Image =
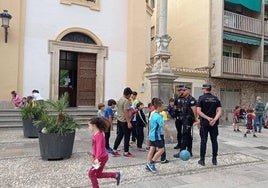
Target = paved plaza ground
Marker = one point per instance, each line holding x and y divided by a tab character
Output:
242	162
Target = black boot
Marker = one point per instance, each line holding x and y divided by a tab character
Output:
201	162
214	161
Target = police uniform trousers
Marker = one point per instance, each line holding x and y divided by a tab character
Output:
178	124
187	139
205	128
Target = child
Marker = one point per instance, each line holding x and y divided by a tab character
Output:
250	122
171	108
109	114
162	134
16	99
156	123
236	119
99	155
23	102
101	108
140	124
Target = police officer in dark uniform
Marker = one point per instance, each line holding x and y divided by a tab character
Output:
179	100
189	116
209	109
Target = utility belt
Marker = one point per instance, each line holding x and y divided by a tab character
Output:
182	116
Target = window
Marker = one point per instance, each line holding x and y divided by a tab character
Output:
152	33
232	51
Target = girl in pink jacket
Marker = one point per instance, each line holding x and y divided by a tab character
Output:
99	155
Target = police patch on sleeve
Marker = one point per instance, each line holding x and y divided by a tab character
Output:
192	102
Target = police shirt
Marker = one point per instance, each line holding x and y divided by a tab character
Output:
209	104
179	101
189	102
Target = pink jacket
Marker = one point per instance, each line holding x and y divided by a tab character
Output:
98	145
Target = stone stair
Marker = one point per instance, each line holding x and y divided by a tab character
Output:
11	118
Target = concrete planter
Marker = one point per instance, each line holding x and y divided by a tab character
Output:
54	146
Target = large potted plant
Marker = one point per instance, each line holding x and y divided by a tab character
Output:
30	113
57	136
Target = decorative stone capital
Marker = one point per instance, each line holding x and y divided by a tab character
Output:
161	65
162	42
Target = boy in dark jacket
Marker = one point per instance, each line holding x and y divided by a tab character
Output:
140	124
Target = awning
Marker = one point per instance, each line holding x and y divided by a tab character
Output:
254	5
266	42
242	39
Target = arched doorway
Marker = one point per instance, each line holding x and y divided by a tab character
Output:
78	67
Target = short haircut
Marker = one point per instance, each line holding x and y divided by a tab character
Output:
111	102
158	102
139	104
134	93
100	105
171	100
35	91
127	91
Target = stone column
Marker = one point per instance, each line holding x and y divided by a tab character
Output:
162	76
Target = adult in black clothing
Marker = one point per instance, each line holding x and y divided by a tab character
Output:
189	116
209	109
178	103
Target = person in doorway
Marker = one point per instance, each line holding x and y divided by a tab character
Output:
209	110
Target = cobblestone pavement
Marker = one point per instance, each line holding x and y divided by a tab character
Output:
242	162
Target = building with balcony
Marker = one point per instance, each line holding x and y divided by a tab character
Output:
228	41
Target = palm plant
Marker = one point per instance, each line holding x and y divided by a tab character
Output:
61	122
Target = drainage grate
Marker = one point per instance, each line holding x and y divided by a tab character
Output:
262	147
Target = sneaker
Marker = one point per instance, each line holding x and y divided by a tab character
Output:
115	153
234	130
177	155
141	149
110	150
146	168
128	155
165	161
238	130
151	167
177	147
147	148
254	136
245	135
118	176
201	162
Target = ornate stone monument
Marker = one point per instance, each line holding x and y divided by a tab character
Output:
162	77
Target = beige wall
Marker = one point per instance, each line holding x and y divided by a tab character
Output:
11	53
138	47
188	25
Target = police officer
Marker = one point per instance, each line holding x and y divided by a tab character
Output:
209	109
189	116
179	100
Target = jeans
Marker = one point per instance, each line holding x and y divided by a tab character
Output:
107	138
258	122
